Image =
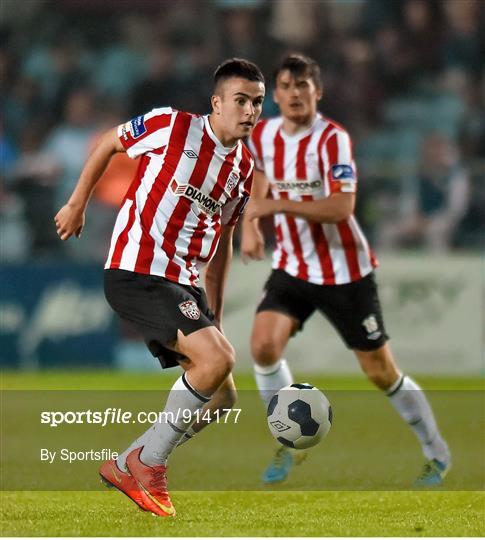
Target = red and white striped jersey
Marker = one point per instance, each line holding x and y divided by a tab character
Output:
308	166
187	185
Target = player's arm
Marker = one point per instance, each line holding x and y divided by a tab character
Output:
252	240
337	207
217	272
70	218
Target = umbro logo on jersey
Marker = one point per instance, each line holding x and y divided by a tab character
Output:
301	186
191	154
207	204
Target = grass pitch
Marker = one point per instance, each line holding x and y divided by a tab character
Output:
293	509
247	514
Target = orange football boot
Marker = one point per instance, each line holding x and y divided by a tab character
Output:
152	482
113	477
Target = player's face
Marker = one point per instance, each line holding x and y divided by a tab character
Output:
297	97
238	107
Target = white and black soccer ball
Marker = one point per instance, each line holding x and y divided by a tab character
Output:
299	415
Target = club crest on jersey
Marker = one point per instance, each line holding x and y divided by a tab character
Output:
298	186
371	327
190	309
207	204
231	182
137	127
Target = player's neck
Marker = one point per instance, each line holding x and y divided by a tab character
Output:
222	137
291	127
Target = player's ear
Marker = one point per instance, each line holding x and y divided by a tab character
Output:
319	93
216	104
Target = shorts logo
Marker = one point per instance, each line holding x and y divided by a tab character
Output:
137	127
299	187
231	182
207	204
371	327
190	309
191	154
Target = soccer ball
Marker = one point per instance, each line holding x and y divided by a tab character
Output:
299	415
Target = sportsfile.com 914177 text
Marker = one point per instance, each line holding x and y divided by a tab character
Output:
114	415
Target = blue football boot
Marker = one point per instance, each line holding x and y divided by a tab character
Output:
433	473
282	464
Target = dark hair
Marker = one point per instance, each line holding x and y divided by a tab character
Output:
237	67
299	64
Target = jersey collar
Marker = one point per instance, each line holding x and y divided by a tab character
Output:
212	135
300	134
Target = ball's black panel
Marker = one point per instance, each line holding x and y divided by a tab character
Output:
286	442
272	404
302	386
330	414
300	412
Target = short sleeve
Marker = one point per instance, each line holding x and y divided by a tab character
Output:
255	144
341	172
233	209
147	132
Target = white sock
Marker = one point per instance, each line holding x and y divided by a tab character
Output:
141	441
159	441
187	436
410	402
270	379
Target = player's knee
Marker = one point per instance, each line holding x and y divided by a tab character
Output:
377	369
218	361
265	350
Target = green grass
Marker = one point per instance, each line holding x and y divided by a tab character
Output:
248	514
352	484
109	380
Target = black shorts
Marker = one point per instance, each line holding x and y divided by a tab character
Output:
353	308
157	308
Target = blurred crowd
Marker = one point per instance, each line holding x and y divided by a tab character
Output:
405	77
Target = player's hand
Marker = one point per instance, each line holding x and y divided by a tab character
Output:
69	220
252	244
258	208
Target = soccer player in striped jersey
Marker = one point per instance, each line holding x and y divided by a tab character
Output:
193	180
322	261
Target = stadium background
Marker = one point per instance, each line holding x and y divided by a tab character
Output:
405	77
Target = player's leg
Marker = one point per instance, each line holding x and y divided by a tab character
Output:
223	399
355	310
169	316
281	313
211	359
411	403
270	335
